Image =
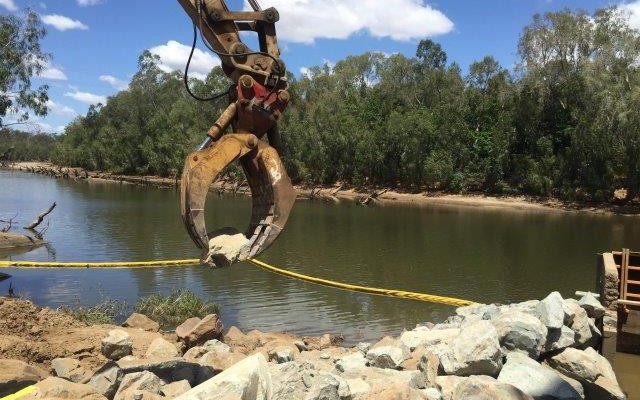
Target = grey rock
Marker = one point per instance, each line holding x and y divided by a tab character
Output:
429	365
161	348
167	369
106	380
69	369
521	332
217	346
448	384
175	389
551	311
476	351
591	369
225	250
531	378
295	381
592	306
351	362
558	339
475	388
117	344
432	394
363	347
135	382
427	337
580	324
247	380
387	356
302	346
282	355
484	311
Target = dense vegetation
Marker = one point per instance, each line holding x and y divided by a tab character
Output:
22	146
564	122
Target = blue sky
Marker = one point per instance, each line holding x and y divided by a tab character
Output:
95	44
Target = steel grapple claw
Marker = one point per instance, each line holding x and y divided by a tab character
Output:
271	190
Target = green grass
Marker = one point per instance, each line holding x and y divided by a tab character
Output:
169	310
174	308
105	312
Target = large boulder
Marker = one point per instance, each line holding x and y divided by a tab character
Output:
161	348
476	351
69	369
592	306
427	337
142	322
535	380
167	369
58	389
551	311
351	363
586	334
227	249
195	331
558	339
117	344
106	380
16	375
474	388
387	356
520	332
175	389
592	370
246	380
483	311
136	383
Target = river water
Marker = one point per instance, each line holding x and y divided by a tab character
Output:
486	255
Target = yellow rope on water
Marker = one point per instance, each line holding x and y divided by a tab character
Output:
451	301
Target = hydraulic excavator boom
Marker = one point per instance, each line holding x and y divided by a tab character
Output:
256	100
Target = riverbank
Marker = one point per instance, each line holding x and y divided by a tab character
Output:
382	197
535	349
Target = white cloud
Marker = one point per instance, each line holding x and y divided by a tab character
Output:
60	109
86	98
633	11
304	21
118	84
304	71
174	55
85	3
9	5
62	23
51	72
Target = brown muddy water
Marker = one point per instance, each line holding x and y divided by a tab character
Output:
485	255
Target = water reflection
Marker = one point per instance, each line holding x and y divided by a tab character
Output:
487	255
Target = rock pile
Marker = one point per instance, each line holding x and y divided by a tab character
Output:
531	350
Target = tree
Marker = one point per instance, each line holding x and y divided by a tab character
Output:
21	58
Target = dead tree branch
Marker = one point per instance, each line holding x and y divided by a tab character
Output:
9	222
40	218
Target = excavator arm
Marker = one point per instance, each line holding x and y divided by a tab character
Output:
256	100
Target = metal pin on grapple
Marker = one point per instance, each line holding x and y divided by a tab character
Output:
256	102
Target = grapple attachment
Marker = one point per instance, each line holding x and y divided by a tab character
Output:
271	190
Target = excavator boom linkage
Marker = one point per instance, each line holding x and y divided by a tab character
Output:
256	100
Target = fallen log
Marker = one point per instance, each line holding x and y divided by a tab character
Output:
40	218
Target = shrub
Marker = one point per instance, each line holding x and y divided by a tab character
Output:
172	309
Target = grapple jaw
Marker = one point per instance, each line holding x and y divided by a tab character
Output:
272	194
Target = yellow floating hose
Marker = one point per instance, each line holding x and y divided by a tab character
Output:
21	393
451	301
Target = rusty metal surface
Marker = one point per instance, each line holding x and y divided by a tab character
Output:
272	194
256	102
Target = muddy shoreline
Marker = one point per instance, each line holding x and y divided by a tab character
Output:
337	194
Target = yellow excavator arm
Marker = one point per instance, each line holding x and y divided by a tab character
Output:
256	100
